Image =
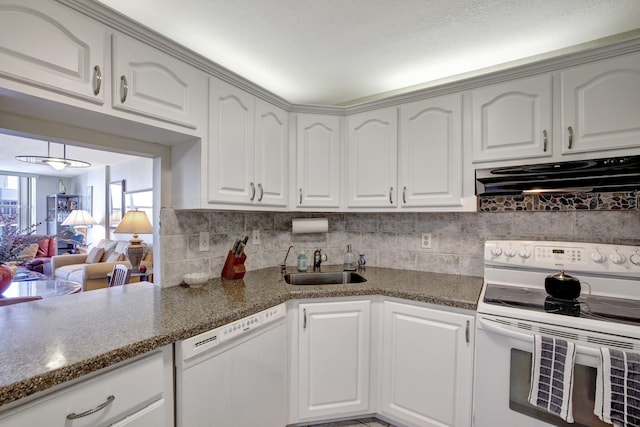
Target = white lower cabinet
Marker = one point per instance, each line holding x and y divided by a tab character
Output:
427	366
334	359
138	394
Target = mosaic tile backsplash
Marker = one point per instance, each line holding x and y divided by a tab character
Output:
561	202
387	239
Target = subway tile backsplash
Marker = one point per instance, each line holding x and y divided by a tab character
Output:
387	239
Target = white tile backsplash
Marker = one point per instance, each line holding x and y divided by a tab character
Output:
387	239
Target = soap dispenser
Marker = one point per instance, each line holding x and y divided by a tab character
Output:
349	259
303	263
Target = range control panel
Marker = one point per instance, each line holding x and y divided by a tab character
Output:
574	256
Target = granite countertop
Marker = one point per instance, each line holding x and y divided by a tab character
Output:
50	342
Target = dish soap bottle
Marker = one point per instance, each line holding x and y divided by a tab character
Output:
349	259
303	263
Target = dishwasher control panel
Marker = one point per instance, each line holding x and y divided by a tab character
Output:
206	340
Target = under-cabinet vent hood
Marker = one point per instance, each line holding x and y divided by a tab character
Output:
609	174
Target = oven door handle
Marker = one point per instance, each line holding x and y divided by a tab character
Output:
501	330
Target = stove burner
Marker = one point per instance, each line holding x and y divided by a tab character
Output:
562	306
592	307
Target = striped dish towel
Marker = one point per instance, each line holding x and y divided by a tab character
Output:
617	399
552	376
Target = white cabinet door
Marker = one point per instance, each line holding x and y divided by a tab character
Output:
372	158
271	155
430	152
601	105
512	120
427	366
334	353
231	132
49	46
318	161
152	84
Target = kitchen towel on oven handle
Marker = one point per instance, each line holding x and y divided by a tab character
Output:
617	399
552	376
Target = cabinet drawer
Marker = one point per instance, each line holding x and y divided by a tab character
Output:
133	386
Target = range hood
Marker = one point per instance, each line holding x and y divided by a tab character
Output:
608	174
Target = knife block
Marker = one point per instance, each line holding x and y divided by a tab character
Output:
234	268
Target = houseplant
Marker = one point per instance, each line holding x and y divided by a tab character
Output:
13	243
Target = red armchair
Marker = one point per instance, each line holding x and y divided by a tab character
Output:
46	249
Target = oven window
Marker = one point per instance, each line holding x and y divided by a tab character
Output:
584	386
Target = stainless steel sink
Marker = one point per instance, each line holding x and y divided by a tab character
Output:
328	278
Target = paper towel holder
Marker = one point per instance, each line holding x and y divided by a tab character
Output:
309	225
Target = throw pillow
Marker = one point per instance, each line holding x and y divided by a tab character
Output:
28	252
43	248
115	256
95	255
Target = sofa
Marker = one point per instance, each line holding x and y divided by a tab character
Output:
91	269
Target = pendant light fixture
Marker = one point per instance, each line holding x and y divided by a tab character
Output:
57	163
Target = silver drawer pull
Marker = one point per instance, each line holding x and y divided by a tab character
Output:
301	196
253	191
98	75
74	416
545	139
261	192
570	129
124	88
391	195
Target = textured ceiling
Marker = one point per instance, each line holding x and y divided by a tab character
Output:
332	52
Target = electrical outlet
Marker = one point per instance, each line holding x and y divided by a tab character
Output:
255	237
425	242
204	241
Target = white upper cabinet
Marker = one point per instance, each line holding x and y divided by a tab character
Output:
430	152
318	161
601	105
153	84
248	148
271	155
512	120
48	46
372	158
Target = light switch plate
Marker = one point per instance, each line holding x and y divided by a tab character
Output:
255	237
425	242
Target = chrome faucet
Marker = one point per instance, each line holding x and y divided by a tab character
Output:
283	266
318	257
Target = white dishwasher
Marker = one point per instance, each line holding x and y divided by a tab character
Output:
235	375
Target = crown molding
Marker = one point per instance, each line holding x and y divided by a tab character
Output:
550	62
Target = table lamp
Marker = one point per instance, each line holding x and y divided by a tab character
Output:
135	222
79	219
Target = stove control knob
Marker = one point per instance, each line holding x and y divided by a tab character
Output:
510	253
635	258
496	251
598	257
524	253
617	258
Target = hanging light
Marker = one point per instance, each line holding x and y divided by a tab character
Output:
57	163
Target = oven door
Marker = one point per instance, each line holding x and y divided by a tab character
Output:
503	373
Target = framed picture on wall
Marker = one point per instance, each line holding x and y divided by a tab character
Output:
88	204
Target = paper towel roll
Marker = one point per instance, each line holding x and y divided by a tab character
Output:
309	225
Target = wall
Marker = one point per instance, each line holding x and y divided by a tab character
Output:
96	179
138	175
387	239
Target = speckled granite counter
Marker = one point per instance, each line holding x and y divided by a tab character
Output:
49	342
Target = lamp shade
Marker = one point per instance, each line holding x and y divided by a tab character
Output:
134	222
79	217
